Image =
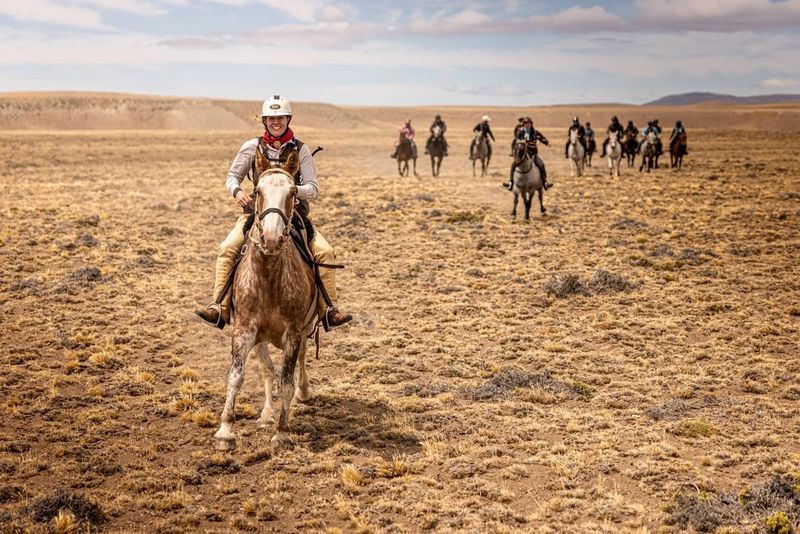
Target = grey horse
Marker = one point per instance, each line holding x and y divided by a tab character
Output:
527	180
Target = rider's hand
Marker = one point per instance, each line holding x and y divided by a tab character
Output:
243	199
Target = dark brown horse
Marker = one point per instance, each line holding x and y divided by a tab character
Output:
436	150
405	153
629	146
677	149
275	301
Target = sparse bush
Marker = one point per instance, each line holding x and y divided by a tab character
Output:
564	285
47	508
606	282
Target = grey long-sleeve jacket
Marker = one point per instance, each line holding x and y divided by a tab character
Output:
243	161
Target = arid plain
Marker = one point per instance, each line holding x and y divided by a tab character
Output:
626	363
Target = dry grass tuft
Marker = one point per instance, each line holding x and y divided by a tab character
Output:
398	466
695	428
352	477
203	419
65	522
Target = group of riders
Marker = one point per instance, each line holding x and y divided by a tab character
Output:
278	142
525	132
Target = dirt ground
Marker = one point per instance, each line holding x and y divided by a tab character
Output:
627	362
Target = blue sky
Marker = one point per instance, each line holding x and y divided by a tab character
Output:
502	52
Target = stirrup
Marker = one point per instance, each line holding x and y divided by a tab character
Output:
219	322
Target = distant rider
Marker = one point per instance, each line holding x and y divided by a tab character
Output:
590	142
645	132
631	131
406	132
437	121
576	125
659	146
530	136
615	128
677	132
486	132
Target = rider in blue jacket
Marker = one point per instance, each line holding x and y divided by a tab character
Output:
528	135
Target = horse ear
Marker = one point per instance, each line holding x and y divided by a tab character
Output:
262	163
292	163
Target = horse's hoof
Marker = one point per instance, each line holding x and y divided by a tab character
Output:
304	398
266	421
544	210
225	444
281	441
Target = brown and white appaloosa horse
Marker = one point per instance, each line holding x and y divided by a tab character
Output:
275	302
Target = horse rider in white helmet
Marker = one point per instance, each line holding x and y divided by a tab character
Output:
277	142
485	131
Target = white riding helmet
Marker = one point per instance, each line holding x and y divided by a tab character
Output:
486	118
276	106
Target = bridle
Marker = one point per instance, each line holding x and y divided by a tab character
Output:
286	218
526	157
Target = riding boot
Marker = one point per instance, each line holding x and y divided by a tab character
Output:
566	150
323	253
510	184
605	144
218	312
428	146
540	164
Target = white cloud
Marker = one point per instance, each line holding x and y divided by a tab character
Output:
50	12
717	15
780	83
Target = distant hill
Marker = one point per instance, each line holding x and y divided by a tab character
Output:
687	99
48	111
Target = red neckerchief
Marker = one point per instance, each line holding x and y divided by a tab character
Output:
271	140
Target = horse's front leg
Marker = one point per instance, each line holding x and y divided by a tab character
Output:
295	342
473	168
301	390
415	166
514	211
224	439
528	200
267	371
541	205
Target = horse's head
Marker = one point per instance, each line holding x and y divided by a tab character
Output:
520	152
652	136
276	193
437	131
573	136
